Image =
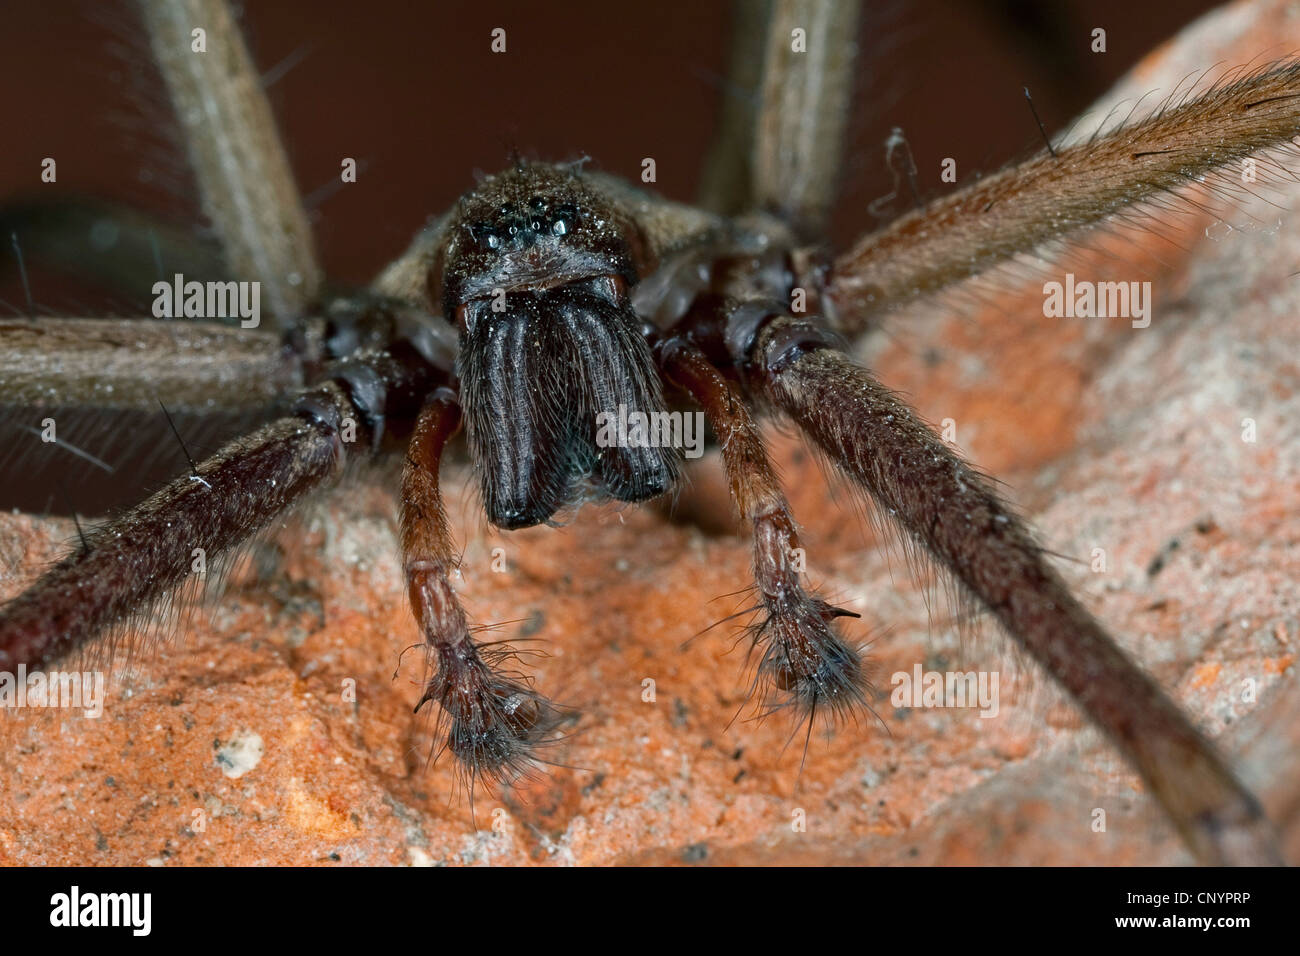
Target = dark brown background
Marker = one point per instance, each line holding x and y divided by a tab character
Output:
412	91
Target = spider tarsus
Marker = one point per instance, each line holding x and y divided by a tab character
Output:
492	720
805	663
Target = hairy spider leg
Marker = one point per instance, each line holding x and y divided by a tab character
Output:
947	506
138	557
803	662
493	720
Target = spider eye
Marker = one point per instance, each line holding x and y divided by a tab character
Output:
563	218
483	234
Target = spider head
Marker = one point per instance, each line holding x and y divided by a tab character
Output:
536	269
535	226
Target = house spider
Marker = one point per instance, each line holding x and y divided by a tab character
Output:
568	294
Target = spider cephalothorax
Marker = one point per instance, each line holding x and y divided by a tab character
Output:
551	298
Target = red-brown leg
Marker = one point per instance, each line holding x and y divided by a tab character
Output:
493	718
802	656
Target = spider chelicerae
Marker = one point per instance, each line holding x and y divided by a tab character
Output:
553	295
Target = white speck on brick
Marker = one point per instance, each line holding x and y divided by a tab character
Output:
240	754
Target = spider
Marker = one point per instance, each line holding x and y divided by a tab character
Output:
552	296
